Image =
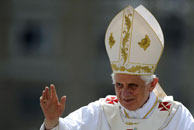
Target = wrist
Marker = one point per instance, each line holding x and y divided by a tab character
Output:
50	124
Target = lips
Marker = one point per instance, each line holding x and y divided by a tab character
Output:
128	100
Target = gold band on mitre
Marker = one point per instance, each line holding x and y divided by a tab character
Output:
134	42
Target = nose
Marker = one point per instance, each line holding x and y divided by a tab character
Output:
126	92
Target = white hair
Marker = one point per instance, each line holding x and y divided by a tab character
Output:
147	78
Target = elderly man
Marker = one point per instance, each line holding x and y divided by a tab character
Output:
134	42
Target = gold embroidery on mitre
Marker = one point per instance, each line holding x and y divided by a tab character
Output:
111	40
138	69
145	42
134	69
124	48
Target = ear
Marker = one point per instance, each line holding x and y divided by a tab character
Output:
153	84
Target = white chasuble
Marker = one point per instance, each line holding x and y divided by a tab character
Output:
161	116
105	114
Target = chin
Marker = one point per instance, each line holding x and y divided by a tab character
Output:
131	109
129	106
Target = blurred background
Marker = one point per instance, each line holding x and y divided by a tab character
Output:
62	42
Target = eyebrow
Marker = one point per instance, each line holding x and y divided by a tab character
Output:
132	84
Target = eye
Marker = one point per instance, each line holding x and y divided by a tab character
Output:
119	85
133	86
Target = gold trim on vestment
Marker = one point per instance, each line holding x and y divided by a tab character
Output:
127	115
169	120
151	108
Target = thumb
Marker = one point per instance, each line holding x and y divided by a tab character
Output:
63	101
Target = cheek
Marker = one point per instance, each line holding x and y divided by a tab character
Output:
135	93
140	94
117	91
143	95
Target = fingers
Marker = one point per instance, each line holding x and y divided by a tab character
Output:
62	102
43	98
42	104
53	92
47	93
44	95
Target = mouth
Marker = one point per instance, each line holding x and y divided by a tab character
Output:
128	100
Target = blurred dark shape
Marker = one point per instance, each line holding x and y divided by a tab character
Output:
30	38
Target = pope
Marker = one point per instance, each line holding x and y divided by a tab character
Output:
134	43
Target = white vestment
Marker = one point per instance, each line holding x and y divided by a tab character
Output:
108	114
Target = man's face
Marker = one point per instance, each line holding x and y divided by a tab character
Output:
131	91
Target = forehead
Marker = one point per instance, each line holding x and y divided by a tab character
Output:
127	78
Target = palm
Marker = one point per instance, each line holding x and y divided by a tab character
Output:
50	104
53	109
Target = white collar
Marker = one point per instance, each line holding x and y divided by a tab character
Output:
143	112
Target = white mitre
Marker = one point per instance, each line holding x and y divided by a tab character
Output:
134	42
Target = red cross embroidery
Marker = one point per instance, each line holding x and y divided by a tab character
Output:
112	100
166	104
132	129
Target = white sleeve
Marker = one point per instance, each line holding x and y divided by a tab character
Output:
43	127
182	120
90	117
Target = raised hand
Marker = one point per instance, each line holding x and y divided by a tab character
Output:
51	106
